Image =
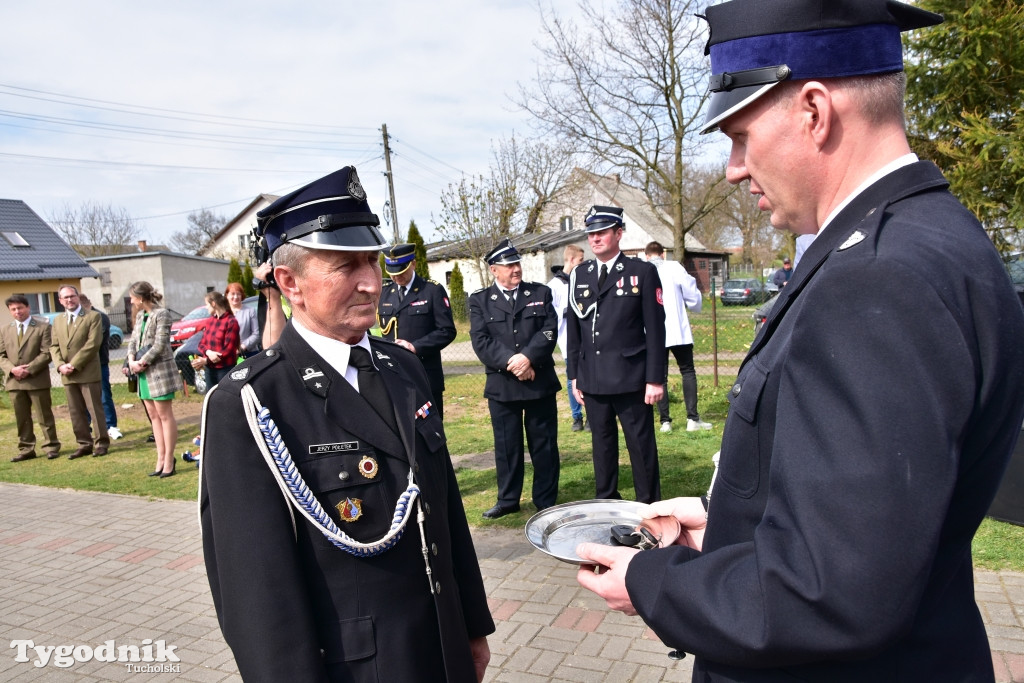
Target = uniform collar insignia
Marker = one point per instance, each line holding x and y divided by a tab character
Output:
526	293
315	380
856	238
619	266
494	297
240	374
591	268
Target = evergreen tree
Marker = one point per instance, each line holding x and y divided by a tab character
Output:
421	251
247	280
235	272
965	105
457	295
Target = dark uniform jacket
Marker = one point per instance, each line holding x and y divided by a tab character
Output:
868	429
618	345
292	606
423	318
500	330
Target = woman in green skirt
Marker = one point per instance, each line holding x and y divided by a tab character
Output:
150	357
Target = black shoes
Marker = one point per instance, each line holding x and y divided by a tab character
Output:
164	475
577	424
23	457
500	510
53	455
80	453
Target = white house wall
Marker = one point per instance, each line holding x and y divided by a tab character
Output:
182	280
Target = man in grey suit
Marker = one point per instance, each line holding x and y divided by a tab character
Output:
75	349
25	361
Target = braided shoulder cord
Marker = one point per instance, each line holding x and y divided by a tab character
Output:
297	493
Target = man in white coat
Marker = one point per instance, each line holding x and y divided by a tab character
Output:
679	292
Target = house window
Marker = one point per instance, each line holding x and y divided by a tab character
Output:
702	264
105	277
106	302
243	242
15	239
565	224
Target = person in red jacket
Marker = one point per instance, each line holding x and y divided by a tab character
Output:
218	349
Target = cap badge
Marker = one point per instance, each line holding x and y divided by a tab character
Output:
355	188
368	467
350	509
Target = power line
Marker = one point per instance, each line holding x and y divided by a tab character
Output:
99	162
76	101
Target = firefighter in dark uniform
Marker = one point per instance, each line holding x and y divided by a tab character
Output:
872	419
316	573
514	329
616	331
415	313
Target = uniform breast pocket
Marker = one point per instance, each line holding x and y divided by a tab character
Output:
420	309
740	464
353	491
496	320
432	432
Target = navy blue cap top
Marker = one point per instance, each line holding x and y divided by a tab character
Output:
504	254
399	258
757	44
328	213
603	217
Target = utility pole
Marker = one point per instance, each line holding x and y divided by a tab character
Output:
391	182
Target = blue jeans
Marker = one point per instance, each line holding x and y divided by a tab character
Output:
108	398
574	405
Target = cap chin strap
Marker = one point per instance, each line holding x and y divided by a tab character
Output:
331	222
727	81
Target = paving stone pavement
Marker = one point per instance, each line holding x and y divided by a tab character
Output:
80	569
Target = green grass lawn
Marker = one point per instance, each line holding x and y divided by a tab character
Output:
685	458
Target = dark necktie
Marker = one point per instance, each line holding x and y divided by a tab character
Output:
510	296
401	293
371	385
603	276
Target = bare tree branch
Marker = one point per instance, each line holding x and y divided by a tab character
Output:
96	230
627	87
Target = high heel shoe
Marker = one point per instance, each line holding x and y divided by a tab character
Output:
164	475
155	474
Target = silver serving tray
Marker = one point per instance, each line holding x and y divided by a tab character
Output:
559	529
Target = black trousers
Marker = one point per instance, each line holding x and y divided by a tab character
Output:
637	420
684	357
539	417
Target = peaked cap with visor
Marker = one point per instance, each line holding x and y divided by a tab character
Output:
757	44
328	213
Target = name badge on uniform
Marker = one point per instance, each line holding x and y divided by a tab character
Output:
341	447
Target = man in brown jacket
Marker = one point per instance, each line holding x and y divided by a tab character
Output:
75	349
25	361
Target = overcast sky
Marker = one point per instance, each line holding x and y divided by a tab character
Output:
99	101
